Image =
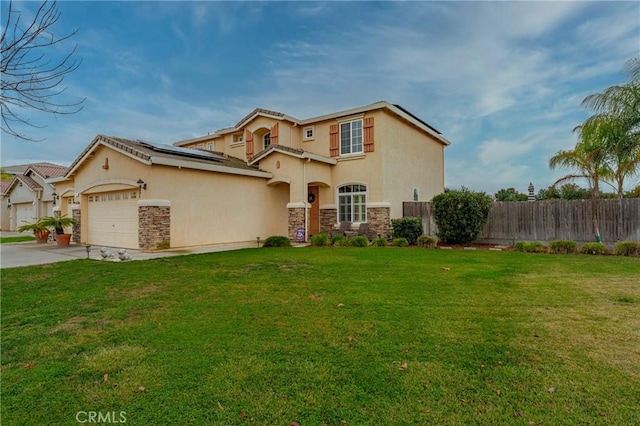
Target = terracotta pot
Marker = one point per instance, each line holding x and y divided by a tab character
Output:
63	239
42	236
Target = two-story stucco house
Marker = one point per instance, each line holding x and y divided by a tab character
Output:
29	196
270	174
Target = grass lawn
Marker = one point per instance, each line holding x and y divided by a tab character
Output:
352	336
18	239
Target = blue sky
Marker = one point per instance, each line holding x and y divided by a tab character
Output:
503	81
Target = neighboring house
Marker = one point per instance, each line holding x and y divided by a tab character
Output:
270	174
29	196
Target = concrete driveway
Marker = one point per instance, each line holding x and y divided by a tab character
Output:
31	253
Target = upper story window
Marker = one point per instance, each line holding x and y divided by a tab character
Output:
267	139
307	133
351	137
237	137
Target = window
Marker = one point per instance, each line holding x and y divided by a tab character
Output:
416	194
210	146
351	137
267	139
307	133
352	203
237	137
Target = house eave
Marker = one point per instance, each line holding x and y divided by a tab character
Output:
172	162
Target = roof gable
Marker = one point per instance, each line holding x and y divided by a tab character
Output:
152	153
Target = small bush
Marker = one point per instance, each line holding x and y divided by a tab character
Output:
277	241
530	247
593	248
562	247
407	227
400	242
339	241
320	239
359	241
427	241
380	242
626	248
461	215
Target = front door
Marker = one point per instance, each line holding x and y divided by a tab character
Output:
314	211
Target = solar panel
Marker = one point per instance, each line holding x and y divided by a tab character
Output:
186	152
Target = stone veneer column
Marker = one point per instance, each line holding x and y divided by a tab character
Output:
379	219
76	233
154	224
328	219
296	220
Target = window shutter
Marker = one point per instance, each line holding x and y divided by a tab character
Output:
334	147
368	134
248	143
274	134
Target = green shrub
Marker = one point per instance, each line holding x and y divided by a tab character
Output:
320	239
593	248
407	227
339	241
359	241
626	248
400	242
277	241
380	242
530	247
427	241
562	247
461	215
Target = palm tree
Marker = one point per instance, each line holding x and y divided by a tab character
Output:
617	124
587	159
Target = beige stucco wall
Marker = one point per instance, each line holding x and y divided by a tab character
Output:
410	159
206	207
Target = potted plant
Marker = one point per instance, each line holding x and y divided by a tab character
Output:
58	223
40	230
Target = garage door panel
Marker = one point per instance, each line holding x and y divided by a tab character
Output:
113	222
25	213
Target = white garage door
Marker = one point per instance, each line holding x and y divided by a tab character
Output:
113	219
25	213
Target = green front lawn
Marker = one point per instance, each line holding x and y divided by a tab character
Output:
352	336
18	239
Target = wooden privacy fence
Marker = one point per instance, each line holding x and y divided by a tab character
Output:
549	220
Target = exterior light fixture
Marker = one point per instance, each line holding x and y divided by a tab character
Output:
55	197
142	184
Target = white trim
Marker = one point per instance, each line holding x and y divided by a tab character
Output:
328	207
154	203
296	205
349	157
379	204
94	184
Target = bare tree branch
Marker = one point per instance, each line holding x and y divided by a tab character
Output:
31	80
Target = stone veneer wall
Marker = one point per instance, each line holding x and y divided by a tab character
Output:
75	214
296	220
154	226
379	219
328	220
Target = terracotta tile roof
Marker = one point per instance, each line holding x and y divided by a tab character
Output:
32	184
148	152
256	111
48	170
